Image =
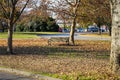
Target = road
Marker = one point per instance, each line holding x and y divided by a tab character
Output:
84	37
8	76
77	36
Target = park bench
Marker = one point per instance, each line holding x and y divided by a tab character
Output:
58	39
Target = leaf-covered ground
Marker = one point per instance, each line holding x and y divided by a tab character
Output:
87	60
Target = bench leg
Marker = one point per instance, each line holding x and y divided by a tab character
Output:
67	42
49	43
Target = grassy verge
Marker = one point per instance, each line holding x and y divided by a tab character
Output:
24	35
87	60
18	35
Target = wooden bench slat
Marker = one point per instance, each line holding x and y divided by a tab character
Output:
58	39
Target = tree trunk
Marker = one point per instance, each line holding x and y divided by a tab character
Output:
115	45
110	31
115	50
99	30
64	25
99	23
10	32
72	31
3	28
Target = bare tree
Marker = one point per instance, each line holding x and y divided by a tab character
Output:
12	11
69	8
61	10
74	4
115	46
39	7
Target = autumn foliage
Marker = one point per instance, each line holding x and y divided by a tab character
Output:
85	60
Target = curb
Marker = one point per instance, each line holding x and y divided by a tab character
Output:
28	74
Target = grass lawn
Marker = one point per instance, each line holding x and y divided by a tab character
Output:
87	60
25	35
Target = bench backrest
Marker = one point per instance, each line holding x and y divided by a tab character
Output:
59	38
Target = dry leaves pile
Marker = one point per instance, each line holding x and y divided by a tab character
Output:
87	58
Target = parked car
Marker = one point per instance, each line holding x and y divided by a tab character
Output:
93	29
65	30
60	29
80	30
1	30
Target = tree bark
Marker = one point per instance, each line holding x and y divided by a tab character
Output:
115	45
3	30
99	30
72	31
110	31
99	24
10	35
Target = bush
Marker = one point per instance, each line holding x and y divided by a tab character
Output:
52	26
41	24
31	26
26	29
20	27
38	24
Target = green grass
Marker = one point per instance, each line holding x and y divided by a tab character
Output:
25	35
18	35
70	77
3	35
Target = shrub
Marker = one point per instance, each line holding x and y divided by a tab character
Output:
38	24
41	24
20	27
52	26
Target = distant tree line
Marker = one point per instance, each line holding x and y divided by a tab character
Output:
38	24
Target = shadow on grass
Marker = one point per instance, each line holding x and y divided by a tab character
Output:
53	50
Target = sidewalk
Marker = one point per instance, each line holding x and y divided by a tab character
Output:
9	76
27	74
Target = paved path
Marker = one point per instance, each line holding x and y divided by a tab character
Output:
84	37
77	36
8	76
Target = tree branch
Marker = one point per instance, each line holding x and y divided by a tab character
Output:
21	11
4	11
70	3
